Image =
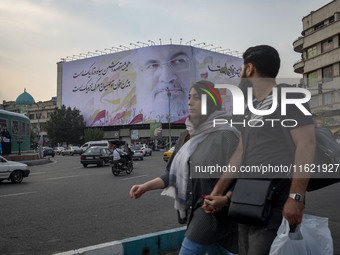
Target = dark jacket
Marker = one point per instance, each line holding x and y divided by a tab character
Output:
217	148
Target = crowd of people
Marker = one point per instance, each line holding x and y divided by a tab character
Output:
202	202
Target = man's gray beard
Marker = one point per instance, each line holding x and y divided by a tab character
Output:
159	111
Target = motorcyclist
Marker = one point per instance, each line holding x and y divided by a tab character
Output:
128	151
117	156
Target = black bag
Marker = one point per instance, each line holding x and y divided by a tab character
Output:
327	154
251	201
326	159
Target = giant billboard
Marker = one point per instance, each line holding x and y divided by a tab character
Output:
143	85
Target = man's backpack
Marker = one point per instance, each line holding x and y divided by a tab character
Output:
326	159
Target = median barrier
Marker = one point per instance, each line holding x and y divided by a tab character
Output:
163	242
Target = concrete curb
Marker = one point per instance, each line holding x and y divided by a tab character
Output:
36	162
149	244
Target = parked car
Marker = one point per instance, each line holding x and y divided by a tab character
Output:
137	152
48	151
96	155
71	151
58	150
167	154
14	171
146	150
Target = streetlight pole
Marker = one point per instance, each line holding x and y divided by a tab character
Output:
193	40
143	43
152	42
40	137
124	47
216	48
207	46
136	45
198	44
169	95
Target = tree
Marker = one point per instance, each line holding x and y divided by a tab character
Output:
93	134
65	126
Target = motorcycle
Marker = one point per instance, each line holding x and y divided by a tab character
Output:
118	167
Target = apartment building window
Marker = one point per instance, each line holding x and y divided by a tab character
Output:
327	74
327	45
312	79
32	116
311	52
331	20
319	26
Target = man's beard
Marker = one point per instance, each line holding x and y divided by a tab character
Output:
158	108
245	83
155	106
178	108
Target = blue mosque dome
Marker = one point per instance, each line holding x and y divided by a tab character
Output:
24	99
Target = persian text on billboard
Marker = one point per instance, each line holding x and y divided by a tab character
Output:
143	85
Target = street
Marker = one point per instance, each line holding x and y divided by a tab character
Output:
62	206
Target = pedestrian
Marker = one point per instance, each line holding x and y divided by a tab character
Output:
6	142
211	233
266	145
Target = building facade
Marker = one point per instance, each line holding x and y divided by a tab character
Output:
39	113
319	46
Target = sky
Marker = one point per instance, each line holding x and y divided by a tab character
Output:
36	34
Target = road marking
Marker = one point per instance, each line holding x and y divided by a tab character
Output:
134	177
37	173
19	194
78	167
64	177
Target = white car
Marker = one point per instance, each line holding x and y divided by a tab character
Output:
58	150
14	171
146	150
72	150
137	152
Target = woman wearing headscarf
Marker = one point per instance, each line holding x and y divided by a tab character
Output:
203	144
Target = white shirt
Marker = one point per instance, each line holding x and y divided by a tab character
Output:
117	152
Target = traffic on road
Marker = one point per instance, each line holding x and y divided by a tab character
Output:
63	206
